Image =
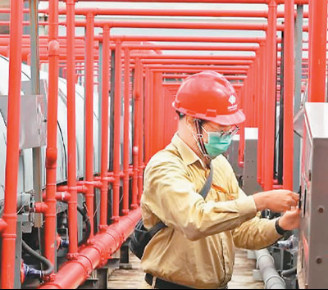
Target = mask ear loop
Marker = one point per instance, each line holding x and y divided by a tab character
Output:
200	140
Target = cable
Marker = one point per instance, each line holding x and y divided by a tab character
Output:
289	272
43	260
83	212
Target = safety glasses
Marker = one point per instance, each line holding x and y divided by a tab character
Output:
222	133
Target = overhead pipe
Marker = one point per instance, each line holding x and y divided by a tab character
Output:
178	25
169	12
12	148
73	273
194	47
288	137
197	61
89	75
104	129
71	131
205	1
165	12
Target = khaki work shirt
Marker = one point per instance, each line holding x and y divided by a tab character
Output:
197	248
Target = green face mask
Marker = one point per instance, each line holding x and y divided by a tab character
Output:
217	144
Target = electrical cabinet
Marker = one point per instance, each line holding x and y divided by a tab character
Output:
312	265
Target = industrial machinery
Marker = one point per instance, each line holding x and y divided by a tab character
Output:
312	259
74	141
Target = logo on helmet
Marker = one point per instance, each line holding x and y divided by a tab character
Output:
232	101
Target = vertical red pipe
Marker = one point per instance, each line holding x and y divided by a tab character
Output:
89	71
136	149
141	135
125	210
71	130
104	129
242	127
51	151
261	83
148	108
288	96
117	131
12	155
270	96
318	40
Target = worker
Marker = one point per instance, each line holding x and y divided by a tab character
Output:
196	248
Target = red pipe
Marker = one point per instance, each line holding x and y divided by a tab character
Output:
191	47
134	203
182	38
117	131
261	110
177	25
125	210
148	108
271	96
104	128
205	1
137	129
3	225
74	273
168	12
317	53
140	80
51	151
89	120
71	131
197	61
164	12
288	160
12	148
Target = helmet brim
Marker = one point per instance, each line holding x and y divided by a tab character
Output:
231	119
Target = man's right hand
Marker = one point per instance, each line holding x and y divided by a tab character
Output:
279	200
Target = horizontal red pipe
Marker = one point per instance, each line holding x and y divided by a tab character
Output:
190	47
171	38
185	76
170	12
182	25
200	1
165	12
73	273
197	61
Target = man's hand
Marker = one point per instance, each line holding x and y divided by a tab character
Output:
280	200
290	220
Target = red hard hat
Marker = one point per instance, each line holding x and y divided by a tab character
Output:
209	96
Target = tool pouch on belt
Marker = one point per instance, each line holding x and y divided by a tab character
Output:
141	236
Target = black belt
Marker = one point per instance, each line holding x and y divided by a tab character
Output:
162	284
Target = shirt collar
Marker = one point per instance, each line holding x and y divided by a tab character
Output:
187	154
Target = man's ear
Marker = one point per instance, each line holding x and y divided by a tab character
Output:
190	121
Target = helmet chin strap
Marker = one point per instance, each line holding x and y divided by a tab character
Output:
200	141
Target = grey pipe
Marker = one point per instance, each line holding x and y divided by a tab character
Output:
268	271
